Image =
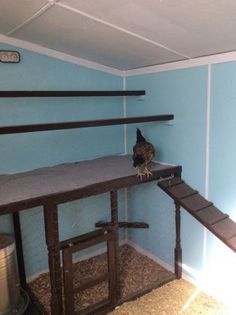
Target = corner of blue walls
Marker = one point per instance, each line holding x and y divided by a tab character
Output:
182	93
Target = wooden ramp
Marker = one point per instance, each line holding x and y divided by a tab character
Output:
204	211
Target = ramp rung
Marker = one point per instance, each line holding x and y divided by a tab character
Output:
91	282
211	215
226	228
195	203
204	211
232	243
181	190
167	183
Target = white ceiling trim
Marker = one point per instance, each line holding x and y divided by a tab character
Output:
30	19
120	29
195	62
58	55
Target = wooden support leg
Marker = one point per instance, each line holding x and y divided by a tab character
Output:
178	249
52	240
68	282
114	247
112	269
19	248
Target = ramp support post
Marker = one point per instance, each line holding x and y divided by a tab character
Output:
178	249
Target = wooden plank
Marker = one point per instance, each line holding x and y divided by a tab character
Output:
204	211
181	191
210	215
134	225
92	282
84	237
91	242
224	229
167	183
194	203
70	93
232	243
82	124
84	192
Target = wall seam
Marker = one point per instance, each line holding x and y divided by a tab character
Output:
207	157
125	152
208	117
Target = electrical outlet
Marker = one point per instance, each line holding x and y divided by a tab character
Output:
9	56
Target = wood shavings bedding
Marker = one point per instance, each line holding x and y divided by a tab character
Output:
177	297
137	272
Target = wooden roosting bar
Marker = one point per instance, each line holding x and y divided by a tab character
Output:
71	181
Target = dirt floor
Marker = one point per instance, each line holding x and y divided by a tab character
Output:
178	297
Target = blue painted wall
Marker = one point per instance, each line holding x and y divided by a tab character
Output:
37	72
27	151
222	185
184	94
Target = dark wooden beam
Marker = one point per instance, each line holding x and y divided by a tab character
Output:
135	225
69	93
19	248
91	282
81	238
82	124
52	241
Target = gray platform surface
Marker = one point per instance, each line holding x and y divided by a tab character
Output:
67	177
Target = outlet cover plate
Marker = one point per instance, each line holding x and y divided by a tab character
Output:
9	56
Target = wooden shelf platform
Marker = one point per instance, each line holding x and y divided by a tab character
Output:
70	181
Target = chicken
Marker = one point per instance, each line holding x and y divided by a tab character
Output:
143	153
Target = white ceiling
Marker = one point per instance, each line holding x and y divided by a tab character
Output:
124	34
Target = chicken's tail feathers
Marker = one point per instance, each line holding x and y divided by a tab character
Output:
140	137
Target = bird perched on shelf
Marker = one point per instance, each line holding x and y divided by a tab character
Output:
143	153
